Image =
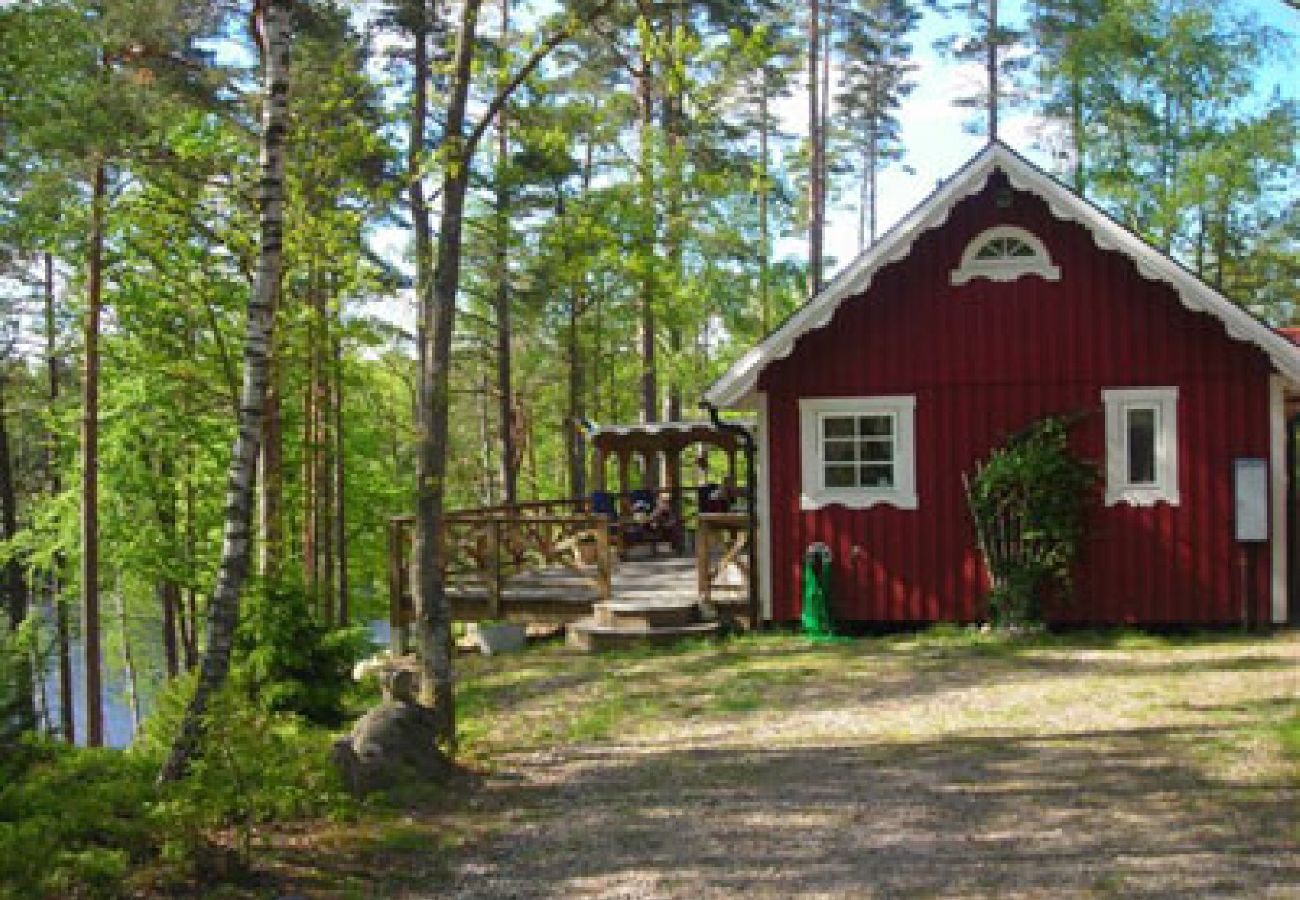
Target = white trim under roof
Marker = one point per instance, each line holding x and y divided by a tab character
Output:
737	385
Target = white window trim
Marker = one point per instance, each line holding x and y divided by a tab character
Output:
1004	269
815	494
1118	489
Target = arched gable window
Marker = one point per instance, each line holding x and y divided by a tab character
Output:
1004	253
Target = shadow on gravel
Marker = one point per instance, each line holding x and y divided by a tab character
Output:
1109	812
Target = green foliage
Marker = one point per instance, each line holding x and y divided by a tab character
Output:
1029	500
75	822
287	660
256	767
81	822
1171	129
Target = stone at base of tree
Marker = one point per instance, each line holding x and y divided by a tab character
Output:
391	744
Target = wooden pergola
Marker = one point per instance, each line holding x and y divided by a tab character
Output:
655	442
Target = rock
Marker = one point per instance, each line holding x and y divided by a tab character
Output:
400	684
392	743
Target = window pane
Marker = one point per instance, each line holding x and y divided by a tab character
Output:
840	451
1020	248
876	451
878	476
841	476
989	251
1141	428
837	427
876	426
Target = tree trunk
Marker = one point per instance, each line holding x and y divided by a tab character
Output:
223	608
993	69
764	225
94	688
310	483
12	584
815	188
62	636
505	396
168	591
189	620
824	125
674	126
649	373
340	485
437	316
577	412
271	480
324	461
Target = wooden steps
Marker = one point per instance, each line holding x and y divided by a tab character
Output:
632	623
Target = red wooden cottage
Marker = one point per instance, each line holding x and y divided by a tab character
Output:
1002	298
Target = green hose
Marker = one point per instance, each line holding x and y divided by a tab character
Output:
817	596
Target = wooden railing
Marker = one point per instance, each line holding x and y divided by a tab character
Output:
721	548
487	556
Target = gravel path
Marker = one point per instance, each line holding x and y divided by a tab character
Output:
1071	774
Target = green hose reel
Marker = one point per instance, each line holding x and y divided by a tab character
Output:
816	614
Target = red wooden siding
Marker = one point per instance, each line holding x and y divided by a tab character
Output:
983	360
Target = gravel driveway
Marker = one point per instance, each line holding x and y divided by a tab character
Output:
1062	773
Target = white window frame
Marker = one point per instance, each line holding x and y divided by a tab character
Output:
815	494
1118	402
1006	268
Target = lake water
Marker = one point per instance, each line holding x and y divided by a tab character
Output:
117	711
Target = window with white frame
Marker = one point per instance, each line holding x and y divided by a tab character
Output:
858	451
1141	445
1004	253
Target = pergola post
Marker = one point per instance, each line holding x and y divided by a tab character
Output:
673	476
624	464
598	468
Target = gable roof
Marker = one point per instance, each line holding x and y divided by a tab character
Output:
736	386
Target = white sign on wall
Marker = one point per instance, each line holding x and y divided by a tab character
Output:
1250	484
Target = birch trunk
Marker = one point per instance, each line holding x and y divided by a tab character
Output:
223	608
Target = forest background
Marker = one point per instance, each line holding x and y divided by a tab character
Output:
655	186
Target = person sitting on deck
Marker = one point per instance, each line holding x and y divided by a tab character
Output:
663	524
715	498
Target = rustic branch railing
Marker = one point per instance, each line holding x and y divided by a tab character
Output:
728	533
489	556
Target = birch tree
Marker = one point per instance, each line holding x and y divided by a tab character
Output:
236	549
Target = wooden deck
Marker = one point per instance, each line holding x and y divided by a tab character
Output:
558	596
537	567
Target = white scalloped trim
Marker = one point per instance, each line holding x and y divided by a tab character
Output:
740	380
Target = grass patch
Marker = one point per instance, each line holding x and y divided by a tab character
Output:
84	823
1289	735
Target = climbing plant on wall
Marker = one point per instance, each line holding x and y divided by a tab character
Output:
1029	502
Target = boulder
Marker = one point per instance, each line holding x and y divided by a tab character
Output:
391	744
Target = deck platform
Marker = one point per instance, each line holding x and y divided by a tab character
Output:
539	568
560	596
